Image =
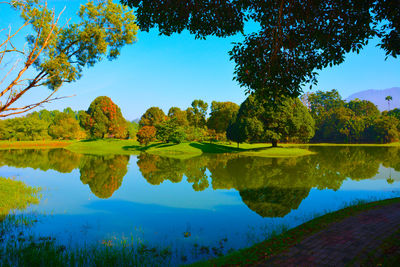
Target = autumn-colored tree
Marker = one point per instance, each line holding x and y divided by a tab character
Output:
152	117
104	119
146	134
59	53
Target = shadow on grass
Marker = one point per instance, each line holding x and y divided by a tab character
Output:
216	148
144	148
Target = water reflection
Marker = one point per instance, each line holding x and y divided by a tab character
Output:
271	187
60	160
103	174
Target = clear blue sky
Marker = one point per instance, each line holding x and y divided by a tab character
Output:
173	71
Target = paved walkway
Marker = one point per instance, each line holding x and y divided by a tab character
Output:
343	241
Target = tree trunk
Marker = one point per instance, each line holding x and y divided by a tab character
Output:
274	143
238	144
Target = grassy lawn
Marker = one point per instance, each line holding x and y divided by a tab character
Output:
279	243
4	145
183	150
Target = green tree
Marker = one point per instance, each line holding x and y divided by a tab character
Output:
65	127
179	115
146	134
322	102
363	108
104	119
384	129
388	99
59	54
152	117
133	128
235	130
293	38
221	114
71	113
395	113
261	122
24	129
197	113
170	131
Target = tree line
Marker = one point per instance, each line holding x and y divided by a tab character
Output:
315	117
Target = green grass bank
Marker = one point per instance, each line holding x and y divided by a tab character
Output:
285	240
183	150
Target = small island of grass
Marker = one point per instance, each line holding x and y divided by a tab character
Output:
183	150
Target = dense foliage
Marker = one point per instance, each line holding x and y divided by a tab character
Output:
357	121
104	119
258	121
291	120
293	38
59	53
146	134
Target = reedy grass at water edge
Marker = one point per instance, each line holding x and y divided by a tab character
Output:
16	195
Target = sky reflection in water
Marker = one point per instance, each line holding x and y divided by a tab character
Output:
90	198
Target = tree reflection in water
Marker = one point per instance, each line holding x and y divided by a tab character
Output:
104	174
272	187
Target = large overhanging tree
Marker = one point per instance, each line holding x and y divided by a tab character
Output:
295	38
59	52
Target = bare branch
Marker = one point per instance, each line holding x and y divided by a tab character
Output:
32	106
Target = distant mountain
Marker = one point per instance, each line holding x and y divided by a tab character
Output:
378	97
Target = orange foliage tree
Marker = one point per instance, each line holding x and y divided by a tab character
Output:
146	135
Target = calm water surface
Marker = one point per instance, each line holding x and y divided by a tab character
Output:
222	200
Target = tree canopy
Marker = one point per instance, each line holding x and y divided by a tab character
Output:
257	121
104	119
60	53
352	122
293	40
221	114
152	117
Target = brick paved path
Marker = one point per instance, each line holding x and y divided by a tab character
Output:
342	241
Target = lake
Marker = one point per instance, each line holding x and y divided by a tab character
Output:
199	207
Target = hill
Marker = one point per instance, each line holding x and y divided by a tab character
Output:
378	97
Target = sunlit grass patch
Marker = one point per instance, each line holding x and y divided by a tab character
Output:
183	150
